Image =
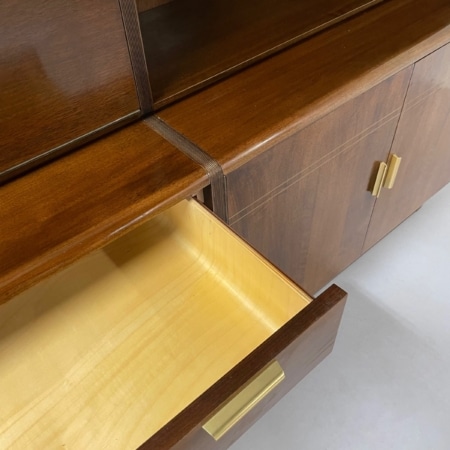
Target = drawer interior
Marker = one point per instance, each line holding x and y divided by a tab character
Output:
106	352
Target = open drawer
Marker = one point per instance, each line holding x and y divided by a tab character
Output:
166	338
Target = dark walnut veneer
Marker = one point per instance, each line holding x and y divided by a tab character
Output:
65	77
299	137
64	210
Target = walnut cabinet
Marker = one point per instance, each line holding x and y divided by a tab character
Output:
127	318
308	203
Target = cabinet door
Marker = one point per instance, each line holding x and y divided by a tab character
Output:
422	141
306	203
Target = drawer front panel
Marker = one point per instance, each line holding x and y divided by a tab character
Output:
298	347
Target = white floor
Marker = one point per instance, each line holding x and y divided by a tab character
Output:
387	383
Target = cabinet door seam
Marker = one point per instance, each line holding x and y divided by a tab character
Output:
402	109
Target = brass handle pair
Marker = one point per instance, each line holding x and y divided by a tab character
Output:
386	175
243	401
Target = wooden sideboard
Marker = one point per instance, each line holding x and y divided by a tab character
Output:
291	147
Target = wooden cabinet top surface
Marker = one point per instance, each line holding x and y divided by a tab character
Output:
240	117
62	211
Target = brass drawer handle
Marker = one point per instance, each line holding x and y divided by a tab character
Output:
379	180
391	174
242	402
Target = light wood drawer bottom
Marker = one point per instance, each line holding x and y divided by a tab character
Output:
109	351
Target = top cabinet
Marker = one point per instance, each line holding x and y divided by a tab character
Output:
65	74
422	141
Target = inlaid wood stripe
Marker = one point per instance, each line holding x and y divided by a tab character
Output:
211	166
422	98
130	20
414	101
339	150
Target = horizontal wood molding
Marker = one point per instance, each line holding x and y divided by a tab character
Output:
60	212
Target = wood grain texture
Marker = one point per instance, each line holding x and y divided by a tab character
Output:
62	211
299	346
125	339
145	5
64	72
305	204
192	43
238	118
422	141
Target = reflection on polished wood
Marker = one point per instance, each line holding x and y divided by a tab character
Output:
192	42
64	72
56	214
104	353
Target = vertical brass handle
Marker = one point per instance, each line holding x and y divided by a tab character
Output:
242	402
391	174
379	180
